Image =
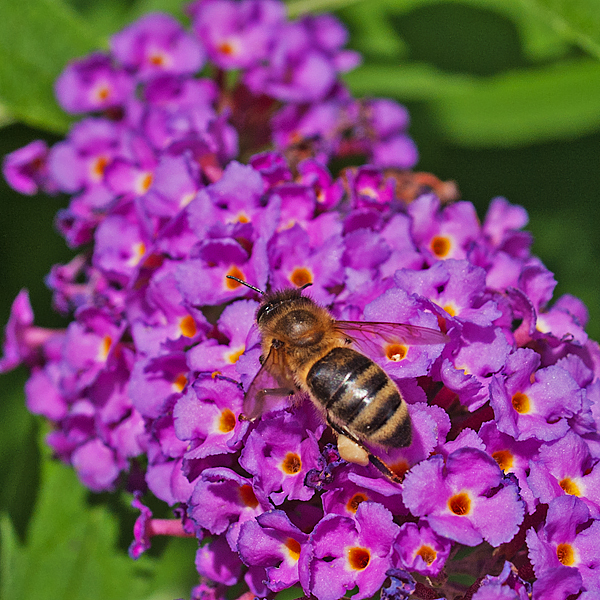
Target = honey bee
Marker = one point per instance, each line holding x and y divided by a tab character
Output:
305	350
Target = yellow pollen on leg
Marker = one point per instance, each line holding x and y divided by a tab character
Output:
460	504
427	553
504	458
396	352
570	487
187	326
293	548
565	554
521	403
359	558
226	421
292	464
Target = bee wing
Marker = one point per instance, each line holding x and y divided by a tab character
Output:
272	382
368	336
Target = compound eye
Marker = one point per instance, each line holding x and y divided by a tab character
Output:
263	310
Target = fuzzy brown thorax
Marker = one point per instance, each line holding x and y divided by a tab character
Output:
293	322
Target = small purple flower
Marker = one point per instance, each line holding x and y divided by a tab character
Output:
279	453
236	35
531	402
512	457
566	467
207	414
273	542
443	233
26	169
421	550
567	539
23	342
155	44
464	498
343	552
304	61
93	84
223	500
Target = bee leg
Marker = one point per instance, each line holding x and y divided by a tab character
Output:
374	460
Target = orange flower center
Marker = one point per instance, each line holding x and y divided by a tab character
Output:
504	458
226	48
521	403
400	468
157	60
570	487
460	504
180	382
440	246
396	352
354	502
187	326
292	464
144	183
226	421
293	548
231	284
247	496
301	276
98	167
234	356
359	558
565	554
105	347
427	553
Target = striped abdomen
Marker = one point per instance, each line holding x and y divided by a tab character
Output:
357	393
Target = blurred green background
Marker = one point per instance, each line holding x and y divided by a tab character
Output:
505	100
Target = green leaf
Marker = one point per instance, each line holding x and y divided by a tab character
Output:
577	21
19	455
513	108
72	552
299	7
376	25
37	39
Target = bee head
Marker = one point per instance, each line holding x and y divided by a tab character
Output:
274	300
277	300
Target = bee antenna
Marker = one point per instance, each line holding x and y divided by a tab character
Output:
246	284
306	285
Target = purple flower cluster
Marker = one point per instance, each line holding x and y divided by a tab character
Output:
149	377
